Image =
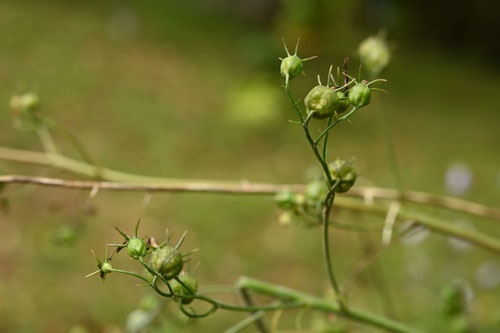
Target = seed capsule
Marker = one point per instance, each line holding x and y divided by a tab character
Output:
374	54
286	199
323	101
291	66
189	281
167	261
136	248
344	173
360	95
24	103
106	268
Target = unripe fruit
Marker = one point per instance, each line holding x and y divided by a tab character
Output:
291	66
178	289
167	261
106	268
374	54
343	102
136	248
24	103
344	173
316	191
453	299
286	199
360	95
323	100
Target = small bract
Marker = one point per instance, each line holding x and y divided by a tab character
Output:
323	101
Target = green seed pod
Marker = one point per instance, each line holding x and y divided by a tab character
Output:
291	66
190	282
374	54
360	95
286	199
453	299
315	193
136	248
106	267
343	102
24	103
167	261
324	101
344	173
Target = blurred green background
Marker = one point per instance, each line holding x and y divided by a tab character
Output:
192	90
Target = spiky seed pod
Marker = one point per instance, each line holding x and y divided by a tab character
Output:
344	173
136	248
286	199
323	101
25	103
374	54
167	261
189	281
106	268
360	95
291	66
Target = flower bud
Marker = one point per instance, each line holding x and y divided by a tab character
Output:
291	66
360	95
106	268
189	281
453	299
344	173
323	101
136	248
167	261
315	192
343	102
24	103
374	54
286	199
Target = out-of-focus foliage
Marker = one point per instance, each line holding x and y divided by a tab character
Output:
191	89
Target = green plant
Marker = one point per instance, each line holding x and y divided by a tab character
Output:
162	266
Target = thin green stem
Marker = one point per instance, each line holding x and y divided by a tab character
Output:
325	142
259	322
77	144
310	301
246	322
330	197
46	139
337	121
132	274
294	103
